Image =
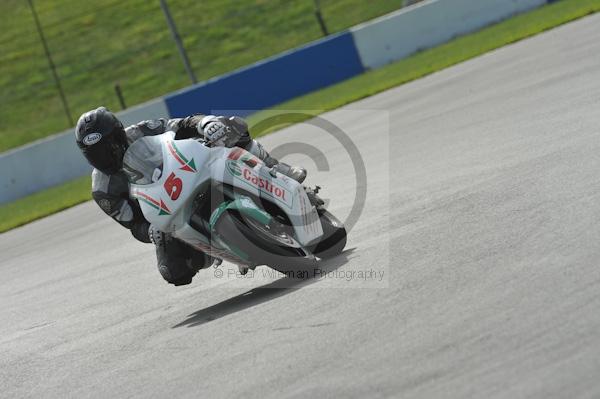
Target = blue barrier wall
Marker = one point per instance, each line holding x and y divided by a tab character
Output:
273	80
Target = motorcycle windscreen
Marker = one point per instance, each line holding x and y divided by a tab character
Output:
143	161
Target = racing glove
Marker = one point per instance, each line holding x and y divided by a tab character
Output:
226	132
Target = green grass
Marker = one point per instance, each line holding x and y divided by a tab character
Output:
44	203
96	44
419	65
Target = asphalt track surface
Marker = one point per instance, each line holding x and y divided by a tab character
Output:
482	214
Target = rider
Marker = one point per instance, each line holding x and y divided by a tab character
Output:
103	141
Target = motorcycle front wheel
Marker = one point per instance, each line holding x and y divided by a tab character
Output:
334	236
265	246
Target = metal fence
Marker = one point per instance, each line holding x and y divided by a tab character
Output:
97	45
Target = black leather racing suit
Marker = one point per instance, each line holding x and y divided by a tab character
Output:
177	262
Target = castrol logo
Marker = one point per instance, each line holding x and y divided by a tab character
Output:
264	184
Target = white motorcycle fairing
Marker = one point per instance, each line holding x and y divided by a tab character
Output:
167	175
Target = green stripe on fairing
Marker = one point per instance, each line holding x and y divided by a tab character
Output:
187	162
251	211
180	153
148	202
216	215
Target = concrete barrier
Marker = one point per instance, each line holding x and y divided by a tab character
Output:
39	165
154	109
56	159
428	24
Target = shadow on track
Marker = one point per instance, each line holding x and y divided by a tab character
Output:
261	294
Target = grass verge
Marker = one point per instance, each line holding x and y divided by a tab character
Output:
421	64
44	203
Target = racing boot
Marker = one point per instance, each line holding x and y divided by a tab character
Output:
295	172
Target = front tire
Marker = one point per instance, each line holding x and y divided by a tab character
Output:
264	247
334	236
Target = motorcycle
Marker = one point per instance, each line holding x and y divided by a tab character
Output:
227	203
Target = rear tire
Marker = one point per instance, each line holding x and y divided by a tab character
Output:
264	247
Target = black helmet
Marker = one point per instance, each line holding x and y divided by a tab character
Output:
101	138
